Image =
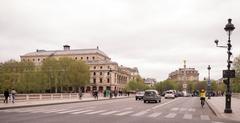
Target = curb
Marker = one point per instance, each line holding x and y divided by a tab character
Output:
58	103
213	110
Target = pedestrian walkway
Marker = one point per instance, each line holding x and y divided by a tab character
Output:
217	105
51	102
89	110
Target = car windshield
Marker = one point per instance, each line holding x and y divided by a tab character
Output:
150	93
169	92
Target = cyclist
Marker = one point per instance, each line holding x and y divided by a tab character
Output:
202	96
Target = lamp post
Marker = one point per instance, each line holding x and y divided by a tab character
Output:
209	82
228	73
110	83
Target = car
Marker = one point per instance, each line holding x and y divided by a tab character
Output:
151	96
139	95
169	94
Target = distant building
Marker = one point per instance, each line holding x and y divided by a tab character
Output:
104	73
184	74
150	81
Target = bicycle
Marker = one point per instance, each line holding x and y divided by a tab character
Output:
202	101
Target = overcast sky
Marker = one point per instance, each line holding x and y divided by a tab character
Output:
153	35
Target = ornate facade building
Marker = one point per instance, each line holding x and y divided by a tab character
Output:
184	74
104	73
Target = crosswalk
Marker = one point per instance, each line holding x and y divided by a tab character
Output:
184	113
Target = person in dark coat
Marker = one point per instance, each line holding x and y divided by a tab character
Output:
6	95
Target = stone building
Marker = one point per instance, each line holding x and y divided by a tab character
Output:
104	73
184	74
150	81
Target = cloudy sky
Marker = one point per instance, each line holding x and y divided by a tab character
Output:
153	35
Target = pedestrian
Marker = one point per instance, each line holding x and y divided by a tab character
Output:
13	94
80	94
6	95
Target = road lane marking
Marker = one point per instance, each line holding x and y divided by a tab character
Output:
124	113
95	112
192	109
216	122
111	112
140	113
129	108
205	117
171	115
174	109
79	112
155	114
187	116
160	105
63	112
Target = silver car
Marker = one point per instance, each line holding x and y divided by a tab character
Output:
151	96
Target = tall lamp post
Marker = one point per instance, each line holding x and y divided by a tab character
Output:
209	82
228	73
110	89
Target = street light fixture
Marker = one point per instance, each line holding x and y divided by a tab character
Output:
228	73
209	82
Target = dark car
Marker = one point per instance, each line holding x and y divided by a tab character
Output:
151	96
139	95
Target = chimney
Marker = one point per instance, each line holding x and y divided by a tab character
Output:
66	47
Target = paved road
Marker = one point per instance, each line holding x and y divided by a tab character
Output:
179	110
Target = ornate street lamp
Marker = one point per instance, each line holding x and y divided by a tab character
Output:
228	73
209	82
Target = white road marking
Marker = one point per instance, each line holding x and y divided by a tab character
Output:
192	109
160	105
95	112
129	108
124	113
79	112
155	114
171	115
111	112
205	117
174	109
187	116
216	122
63	112
140	113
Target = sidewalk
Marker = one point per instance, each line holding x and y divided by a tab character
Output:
53	102
217	105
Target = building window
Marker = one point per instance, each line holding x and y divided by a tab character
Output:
93	58
108	80
94	81
100	80
75	58
38	59
23	59
100	67
94	67
81	57
43	59
94	73
87	58
108	73
33	59
28	59
100	73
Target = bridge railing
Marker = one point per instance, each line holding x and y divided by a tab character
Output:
45	96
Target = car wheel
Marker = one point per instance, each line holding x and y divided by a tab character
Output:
144	101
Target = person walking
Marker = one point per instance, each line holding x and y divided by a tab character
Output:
6	95
13	93
80	94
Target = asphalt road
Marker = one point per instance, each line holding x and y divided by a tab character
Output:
179	110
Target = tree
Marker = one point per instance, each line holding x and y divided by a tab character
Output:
236	81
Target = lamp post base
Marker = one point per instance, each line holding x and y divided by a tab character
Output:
228	110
